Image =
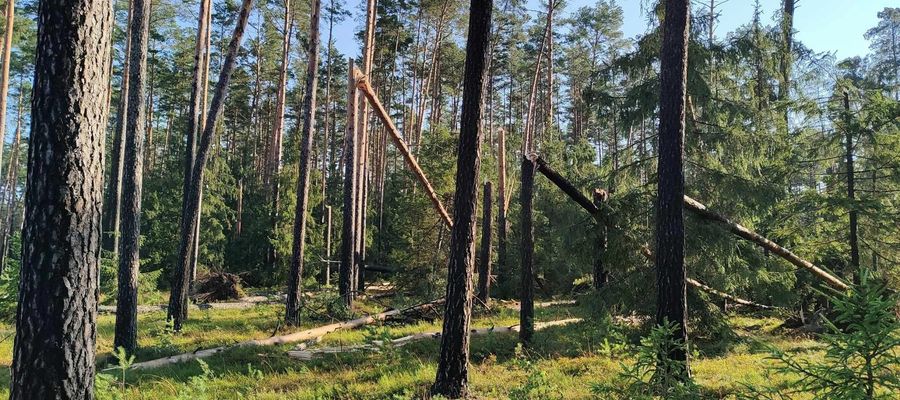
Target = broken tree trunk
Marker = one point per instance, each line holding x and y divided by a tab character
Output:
308	334
381	112
403	341
567	187
699	209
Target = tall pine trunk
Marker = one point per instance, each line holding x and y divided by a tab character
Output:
452	372
526	294
278	128
56	319
178	300
346	288
4	73
853	236
671	299
113	201
195	120
129	253
295	279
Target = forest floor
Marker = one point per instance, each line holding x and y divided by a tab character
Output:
564	362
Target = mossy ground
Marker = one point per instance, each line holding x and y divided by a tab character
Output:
564	362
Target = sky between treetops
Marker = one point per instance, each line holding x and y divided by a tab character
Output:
835	26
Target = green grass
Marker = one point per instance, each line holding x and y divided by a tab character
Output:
564	360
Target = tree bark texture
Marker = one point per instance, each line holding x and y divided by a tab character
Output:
179	298
295	279
671	296
56	330
129	253
452	371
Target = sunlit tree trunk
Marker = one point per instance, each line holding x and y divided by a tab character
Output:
452	371
56	319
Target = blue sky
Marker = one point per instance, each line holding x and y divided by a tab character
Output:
822	25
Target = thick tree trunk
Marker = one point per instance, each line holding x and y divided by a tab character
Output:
526	294
348	229
113	201
787	51
452	372
362	191
671	299
295	279
129	254
484	266
56	331
179	298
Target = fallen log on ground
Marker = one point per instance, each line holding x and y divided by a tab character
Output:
698	208
309	354
308	334
693	282
381	112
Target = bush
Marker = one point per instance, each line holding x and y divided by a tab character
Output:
862	357
653	374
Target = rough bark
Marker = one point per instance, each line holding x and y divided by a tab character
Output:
452	372
671	297
178	299
295	279
526	295
484	266
348	229
129	253
56	330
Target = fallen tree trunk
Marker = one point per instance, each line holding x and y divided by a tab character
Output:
374	346
567	187
738	300
698	208
363	84
308	334
645	251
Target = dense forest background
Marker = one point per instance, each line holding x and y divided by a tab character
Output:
768	127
